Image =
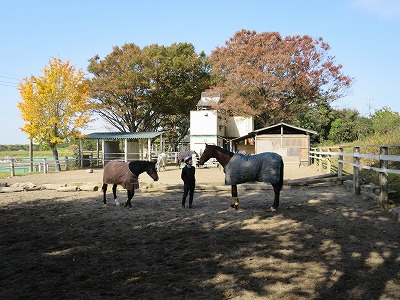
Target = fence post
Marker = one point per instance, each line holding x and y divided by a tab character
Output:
356	171
66	163
314	159
12	168
45	169
383	180
340	164
329	162
319	161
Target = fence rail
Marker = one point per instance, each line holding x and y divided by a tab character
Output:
324	156
87	159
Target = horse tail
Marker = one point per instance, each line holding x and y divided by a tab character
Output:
281	175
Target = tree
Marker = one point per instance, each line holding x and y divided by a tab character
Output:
147	89
55	105
344	126
318	118
273	78
385	121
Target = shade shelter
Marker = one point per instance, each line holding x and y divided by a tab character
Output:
136	145
292	142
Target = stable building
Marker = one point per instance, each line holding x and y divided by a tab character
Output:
291	142
127	146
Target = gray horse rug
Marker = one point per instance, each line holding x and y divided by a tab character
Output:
263	167
118	172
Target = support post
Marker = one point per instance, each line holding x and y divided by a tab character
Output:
125	150
356	171
12	168
149	149
340	163
383	179
31	155
319	160
45	165
329	162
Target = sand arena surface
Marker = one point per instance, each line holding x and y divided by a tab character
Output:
322	243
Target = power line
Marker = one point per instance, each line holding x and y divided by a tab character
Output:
8	83
11	75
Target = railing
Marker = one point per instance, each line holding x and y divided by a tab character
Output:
89	159
325	158
43	165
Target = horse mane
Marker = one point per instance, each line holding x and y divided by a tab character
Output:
222	150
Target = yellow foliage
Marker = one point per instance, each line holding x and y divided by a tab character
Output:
55	105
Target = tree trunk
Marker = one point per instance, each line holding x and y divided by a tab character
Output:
55	155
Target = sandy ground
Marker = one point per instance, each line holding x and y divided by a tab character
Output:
323	242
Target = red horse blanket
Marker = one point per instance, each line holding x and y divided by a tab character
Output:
117	172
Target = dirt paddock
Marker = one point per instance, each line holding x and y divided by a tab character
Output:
322	243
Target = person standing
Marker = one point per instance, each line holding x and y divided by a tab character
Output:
189	181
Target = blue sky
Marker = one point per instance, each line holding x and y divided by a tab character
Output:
364	36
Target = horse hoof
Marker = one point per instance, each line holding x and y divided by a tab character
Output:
232	206
272	209
236	207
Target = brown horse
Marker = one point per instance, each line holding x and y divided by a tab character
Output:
126	174
239	168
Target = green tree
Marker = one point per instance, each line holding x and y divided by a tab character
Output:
318	118
385	121
274	78
343	128
147	89
55	105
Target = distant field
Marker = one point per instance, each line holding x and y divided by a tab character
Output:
21	155
24	154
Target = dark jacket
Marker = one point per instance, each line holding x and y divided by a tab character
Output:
188	175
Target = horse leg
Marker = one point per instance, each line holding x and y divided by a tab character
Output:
130	196
114	189
104	189
235	199
277	190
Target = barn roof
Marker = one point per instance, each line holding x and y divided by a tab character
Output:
276	129
287	129
123	135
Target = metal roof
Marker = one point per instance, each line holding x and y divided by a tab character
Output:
274	129
123	135
208	98
285	126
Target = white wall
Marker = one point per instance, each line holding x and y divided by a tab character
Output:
203	122
238	126
198	143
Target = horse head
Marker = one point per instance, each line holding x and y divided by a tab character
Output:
151	170
206	155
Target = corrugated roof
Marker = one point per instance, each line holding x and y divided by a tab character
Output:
208	98
273	129
123	135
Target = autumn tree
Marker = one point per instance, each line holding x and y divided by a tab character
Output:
55	105
149	89
273	78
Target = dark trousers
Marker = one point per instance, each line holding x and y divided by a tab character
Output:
188	189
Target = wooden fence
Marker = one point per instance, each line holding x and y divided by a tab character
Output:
89	159
331	160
